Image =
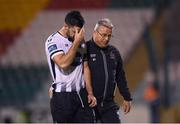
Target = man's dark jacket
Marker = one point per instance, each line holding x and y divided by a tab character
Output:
106	71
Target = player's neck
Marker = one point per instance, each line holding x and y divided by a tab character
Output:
63	32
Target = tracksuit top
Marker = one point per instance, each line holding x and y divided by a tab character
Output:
106	71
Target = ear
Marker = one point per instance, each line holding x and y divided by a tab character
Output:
94	32
66	26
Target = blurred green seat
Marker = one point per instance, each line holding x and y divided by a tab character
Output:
19	85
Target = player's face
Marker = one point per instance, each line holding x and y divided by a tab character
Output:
103	36
71	32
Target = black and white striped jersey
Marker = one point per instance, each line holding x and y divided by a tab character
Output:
72	79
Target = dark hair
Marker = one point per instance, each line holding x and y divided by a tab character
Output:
74	18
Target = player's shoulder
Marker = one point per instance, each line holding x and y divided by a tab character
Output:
54	39
50	37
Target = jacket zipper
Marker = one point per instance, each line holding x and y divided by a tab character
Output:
106	76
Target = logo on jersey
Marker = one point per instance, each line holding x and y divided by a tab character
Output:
66	45
112	56
52	47
92	55
50	40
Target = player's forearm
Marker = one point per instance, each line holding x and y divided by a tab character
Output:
89	88
68	58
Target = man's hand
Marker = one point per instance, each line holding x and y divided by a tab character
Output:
126	106
92	100
50	92
79	35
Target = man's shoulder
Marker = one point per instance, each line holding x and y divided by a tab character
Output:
113	48
89	43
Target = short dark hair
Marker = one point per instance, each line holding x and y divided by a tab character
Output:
74	18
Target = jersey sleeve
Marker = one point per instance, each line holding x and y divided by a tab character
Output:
55	47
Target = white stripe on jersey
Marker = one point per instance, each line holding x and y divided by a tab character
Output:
65	81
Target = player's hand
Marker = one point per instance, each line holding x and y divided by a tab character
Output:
50	92
92	100
79	35
126	106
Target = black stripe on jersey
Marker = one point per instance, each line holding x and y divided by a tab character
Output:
63	87
73	86
54	87
53	68
56	52
53	64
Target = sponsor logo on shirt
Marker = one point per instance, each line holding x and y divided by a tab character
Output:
52	47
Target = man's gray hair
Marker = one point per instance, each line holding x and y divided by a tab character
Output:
104	22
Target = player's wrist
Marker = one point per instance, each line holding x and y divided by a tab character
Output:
75	44
77	41
90	93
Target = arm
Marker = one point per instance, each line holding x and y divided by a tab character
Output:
122	85
87	76
50	92
65	60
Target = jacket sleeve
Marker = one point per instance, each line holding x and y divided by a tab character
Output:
121	78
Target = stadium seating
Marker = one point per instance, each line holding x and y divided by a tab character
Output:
7	38
19	84
17	14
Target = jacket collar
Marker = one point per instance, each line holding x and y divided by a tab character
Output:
96	46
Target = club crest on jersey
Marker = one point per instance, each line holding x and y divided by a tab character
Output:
52	47
66	45
112	56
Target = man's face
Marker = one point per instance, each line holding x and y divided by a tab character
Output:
71	32
102	36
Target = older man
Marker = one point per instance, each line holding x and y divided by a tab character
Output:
107	71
